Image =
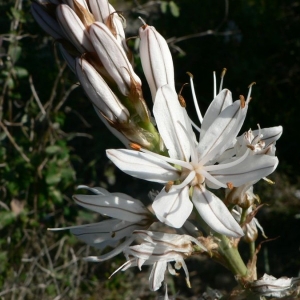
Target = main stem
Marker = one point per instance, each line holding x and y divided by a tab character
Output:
231	256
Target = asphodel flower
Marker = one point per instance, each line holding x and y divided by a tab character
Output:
159	250
127	214
191	164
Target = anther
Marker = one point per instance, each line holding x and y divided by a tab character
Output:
251	84
230	185
168	186
190	74
251	147
181	101
180	97
223	72
135	146
243	102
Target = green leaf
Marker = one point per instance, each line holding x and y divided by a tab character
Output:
174	9
54	149
163	6
6	218
53	178
14	52
20	72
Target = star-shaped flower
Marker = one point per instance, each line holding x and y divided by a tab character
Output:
192	163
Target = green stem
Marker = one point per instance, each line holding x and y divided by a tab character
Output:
252	249
231	256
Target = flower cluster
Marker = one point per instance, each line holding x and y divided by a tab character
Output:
189	161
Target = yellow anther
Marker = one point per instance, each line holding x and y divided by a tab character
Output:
135	146
230	185
243	102
190	74
168	186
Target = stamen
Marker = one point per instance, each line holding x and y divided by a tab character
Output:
268	180
249	93
186	181
215	84
144	23
135	146
212	179
195	126
195	98
168	186
227	165
174	161
222	78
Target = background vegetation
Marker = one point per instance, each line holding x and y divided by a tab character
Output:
51	141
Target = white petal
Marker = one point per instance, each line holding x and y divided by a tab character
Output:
157	275
222	100
171	122
214	212
97	235
142	165
222	132
173	208
113	206
253	168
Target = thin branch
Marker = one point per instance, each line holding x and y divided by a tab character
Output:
35	96
12	140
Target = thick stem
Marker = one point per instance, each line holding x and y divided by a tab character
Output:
231	256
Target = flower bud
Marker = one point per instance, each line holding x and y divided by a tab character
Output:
73	3
156	59
73	28
99	92
49	24
100	10
113	57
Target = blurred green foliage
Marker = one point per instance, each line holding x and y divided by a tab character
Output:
51	140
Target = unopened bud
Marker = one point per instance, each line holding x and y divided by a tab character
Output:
156	59
48	23
73	28
100	93
113	57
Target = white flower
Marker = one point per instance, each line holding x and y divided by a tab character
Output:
128	214
159	249
192	164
